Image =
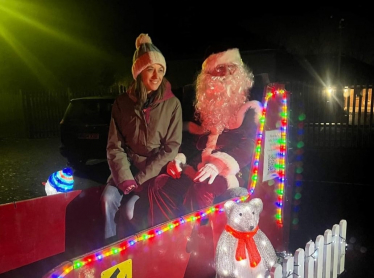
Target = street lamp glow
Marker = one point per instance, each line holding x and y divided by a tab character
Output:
329	90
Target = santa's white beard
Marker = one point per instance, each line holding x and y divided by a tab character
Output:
219	101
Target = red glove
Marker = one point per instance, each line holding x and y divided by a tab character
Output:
127	187
174	168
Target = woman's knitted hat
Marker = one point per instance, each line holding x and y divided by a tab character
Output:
62	180
146	54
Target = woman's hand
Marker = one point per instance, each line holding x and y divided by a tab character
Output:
129	189
126	187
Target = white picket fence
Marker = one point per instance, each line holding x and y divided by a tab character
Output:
323	258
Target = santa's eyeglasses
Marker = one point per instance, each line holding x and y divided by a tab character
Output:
224	69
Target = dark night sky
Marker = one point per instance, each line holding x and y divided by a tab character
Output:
64	41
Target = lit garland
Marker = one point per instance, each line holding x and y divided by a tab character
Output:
196	216
281	165
149	234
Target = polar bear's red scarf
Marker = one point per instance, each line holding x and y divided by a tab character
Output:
245	240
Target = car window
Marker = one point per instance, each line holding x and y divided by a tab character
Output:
89	111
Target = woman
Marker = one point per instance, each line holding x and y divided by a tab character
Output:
145	133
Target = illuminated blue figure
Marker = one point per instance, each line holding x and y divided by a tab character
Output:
60	181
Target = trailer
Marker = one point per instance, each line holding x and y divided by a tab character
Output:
62	235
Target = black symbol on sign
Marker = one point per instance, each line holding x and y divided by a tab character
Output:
115	273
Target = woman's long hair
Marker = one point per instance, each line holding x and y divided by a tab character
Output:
140	92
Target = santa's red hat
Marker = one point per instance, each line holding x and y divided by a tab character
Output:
230	56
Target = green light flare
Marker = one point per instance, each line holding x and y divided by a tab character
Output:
42	26
302	117
297	196
283	114
46	42
28	58
279	191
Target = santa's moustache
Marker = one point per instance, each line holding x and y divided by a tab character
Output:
218	99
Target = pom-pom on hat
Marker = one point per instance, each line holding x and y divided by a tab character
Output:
145	54
62	180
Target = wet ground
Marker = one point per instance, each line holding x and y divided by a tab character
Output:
26	163
336	185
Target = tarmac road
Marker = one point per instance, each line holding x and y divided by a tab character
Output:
26	163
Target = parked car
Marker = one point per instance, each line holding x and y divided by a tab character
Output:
84	129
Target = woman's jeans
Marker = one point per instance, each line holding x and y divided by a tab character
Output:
111	199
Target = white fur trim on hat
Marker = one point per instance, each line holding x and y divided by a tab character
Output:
145	55
231	56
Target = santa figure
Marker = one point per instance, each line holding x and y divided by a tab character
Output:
216	153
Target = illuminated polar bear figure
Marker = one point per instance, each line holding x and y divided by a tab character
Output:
243	250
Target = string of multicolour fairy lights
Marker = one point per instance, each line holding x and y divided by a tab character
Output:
280	165
196	216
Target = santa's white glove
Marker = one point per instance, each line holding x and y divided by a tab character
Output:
209	170
174	168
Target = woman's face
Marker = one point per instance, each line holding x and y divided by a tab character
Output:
152	77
